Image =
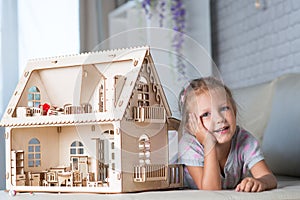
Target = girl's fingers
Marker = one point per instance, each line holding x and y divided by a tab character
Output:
197	129
197	122
242	186
192	124
260	188
238	189
249	185
255	187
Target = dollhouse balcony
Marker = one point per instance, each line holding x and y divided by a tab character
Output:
149	114
144	173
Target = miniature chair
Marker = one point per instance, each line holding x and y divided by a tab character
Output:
69	181
77	178
66	109
35	111
92	182
45	183
71	109
51	178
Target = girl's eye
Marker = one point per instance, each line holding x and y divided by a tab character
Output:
205	114
225	108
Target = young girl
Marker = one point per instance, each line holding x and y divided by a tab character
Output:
218	154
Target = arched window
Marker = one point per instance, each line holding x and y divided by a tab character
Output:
34	97
144	150
109	134
34	153
76	148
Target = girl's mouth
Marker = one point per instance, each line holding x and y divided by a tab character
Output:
222	130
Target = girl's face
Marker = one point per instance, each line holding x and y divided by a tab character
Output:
217	114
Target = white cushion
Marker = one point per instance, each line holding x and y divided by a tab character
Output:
253	104
281	141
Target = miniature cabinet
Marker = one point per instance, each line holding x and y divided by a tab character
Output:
17	167
33	179
94	122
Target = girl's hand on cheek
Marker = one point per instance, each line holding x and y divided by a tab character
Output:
196	128
250	185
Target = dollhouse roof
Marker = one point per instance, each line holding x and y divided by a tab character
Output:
73	79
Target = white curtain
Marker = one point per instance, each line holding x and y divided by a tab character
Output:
32	29
47	28
94	23
8	66
9	51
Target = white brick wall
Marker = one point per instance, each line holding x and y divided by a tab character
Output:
251	45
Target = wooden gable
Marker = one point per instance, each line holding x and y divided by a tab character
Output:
72	80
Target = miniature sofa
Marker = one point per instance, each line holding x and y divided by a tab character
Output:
271	111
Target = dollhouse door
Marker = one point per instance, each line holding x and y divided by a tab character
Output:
80	163
102	168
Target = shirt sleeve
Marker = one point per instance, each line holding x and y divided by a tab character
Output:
251	151
190	151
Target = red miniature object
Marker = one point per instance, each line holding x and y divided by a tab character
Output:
45	107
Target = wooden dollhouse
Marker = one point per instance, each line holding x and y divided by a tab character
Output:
93	122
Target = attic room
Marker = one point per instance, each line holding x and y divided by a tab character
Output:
251	46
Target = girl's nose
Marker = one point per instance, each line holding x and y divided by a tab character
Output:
219	118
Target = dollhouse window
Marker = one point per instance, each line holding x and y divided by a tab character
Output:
112	145
34	153
144	150
101	98
143	93
34	97
76	148
101	150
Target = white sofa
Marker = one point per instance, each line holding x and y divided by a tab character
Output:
271	111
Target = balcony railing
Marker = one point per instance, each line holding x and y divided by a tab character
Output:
149	114
175	175
143	173
172	173
72	109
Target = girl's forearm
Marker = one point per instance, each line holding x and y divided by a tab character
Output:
211	179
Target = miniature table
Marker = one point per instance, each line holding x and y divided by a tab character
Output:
64	177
